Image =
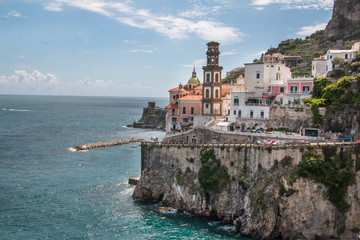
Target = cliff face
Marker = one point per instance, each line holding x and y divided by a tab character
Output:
152	117
259	192
345	22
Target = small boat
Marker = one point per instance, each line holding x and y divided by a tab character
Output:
133	146
6	109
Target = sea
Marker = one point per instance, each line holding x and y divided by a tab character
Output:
49	191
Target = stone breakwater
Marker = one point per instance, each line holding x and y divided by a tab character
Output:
107	144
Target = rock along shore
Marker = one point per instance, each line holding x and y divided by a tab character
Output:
107	143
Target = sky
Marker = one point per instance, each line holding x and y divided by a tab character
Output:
138	48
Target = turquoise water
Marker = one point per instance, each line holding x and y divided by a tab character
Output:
50	192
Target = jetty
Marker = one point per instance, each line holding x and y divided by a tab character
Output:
107	144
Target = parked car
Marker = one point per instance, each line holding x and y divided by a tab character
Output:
347	139
259	131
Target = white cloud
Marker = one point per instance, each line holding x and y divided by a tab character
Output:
23	79
168	25
308	30
141	50
54	6
199	11
297	4
197	63
14	14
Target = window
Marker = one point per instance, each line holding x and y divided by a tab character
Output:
235	113
262	114
281	101
216	93
278	76
239	114
207	93
293	89
206	105
173	111
174	119
216	77
251	114
278	68
346	56
184	110
330	56
192	110
313	67
236	101
281	89
174	97
306	89
208	77
257	75
189	86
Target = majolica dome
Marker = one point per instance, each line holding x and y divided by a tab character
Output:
194	79
181	89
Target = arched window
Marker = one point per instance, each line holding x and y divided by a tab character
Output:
278	76
208	77
207	93
216	77
216	93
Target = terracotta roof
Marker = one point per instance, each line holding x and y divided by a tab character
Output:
172	105
198	87
225	87
174	89
191	97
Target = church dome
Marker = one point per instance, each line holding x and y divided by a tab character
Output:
181	89
193	80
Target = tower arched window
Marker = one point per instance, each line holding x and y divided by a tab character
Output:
216	77
216	93
207	93
208	77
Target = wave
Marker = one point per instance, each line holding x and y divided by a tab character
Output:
74	150
16	110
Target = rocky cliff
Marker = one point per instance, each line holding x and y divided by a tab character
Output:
283	191
345	22
153	117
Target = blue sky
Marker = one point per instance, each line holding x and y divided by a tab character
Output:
138	47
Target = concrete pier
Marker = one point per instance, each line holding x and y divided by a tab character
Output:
107	144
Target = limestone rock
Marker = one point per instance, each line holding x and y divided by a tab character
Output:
345	22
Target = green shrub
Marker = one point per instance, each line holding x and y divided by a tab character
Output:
335	174
212	175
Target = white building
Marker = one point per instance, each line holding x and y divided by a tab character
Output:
249	95
319	66
348	55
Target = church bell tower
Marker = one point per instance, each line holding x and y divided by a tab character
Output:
211	101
